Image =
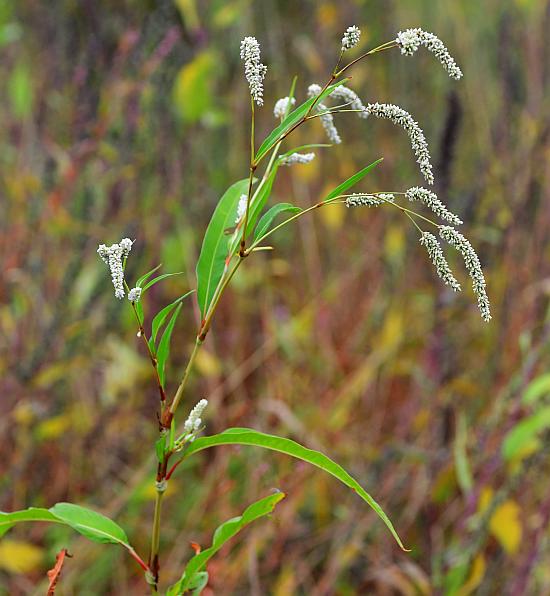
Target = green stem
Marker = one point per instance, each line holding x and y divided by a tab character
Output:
250	178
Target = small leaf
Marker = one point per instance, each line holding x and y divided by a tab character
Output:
160	318
91	524
211	263
341	189
139	311
147	275
247	436
537	388
293	118
267	219
160	278
164	344
222	534
525	432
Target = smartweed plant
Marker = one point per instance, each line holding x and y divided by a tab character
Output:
238	229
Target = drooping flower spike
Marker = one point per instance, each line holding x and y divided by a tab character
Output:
473	266
435	252
402	118
326	118
411	39
429	198
281	106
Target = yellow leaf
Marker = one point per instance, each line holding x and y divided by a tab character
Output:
53	427
476	576
207	364
17	556
192	94
505	524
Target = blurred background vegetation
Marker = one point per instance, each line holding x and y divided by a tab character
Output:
130	118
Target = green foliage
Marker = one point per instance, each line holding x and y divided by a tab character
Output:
222	534
525	432
211	263
247	436
351	181
267	219
90	524
293	118
160	318
163	350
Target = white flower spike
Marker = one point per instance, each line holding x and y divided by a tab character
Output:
297	158
326	118
241	208
351	38
254	70
402	118
473	266
113	256
281	106
437	257
366	200
134	294
430	199
411	39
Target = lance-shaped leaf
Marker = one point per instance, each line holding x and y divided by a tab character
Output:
222	534
164	344
91	524
160	318
292	119
352	181
248	436
211	263
267	219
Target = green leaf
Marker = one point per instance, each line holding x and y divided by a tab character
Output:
222	534
341	189
7	520
537	388
160	318
91	524
198	583
257	205
164	345
147	275
211	263
525	432
267	219
247	436
293	118
160	278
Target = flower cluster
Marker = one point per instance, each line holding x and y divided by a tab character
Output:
194	421
241	208
429	198
368	200
402	118
281	106
411	39
326	117
351	38
437	257
134	294
113	256
254	70
297	158
473	266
